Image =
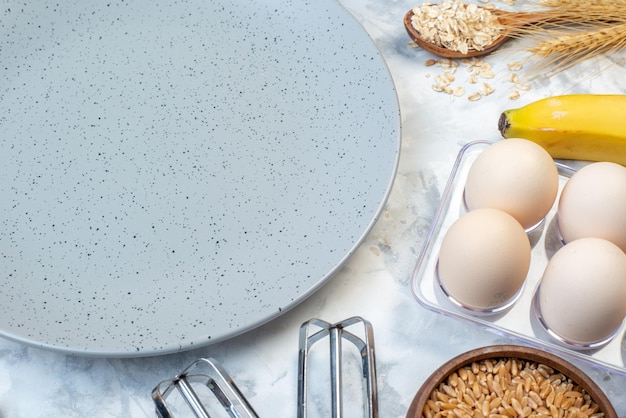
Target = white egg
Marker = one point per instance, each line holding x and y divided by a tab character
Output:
516	176
582	296
484	259
593	204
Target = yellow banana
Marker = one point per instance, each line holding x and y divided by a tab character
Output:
590	127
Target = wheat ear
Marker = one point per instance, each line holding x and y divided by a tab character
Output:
568	50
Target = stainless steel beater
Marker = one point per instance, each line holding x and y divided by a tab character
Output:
208	373
315	330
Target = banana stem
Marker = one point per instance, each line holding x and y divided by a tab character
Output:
503	124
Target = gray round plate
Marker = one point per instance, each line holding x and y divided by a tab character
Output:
176	173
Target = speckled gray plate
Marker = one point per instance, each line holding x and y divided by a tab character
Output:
176	173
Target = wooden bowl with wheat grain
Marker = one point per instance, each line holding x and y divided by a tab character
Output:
468	381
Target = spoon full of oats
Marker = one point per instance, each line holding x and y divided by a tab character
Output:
453	29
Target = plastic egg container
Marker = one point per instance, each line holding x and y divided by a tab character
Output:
571	296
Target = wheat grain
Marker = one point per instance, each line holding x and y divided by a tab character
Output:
510	388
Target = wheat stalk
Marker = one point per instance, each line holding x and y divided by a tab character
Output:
582	3
585	42
564	51
573	31
563	14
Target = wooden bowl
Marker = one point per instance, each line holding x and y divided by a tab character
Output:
509	351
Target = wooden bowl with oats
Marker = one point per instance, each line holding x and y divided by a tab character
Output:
509	381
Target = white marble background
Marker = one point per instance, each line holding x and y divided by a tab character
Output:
411	342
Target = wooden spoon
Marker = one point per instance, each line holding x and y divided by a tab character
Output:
508	20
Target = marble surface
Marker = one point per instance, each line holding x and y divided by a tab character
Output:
411	342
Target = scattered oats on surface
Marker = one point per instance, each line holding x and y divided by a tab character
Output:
487	74
477	70
448	63
412	44
515	66
442	80
477	62
487	89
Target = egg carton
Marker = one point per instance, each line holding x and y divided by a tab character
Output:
520	321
